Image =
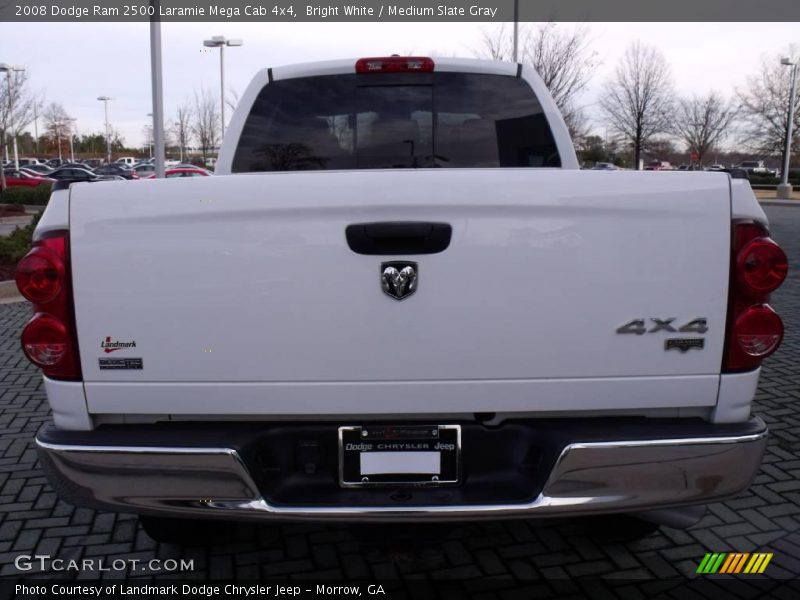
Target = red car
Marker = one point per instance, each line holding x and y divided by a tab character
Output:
20	178
183	172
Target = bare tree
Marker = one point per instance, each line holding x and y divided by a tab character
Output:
561	57
206	125
16	110
117	141
701	122
578	124
181	127
638	98
232	99
57	124
764	105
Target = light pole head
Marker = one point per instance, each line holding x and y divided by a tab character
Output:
104	98
788	62
215	41
7	68
220	40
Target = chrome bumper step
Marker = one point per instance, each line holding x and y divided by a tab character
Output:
587	478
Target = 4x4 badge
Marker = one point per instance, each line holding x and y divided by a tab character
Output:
399	278
639	327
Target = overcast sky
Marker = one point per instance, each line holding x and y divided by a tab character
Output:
73	63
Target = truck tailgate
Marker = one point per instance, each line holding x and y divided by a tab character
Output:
240	293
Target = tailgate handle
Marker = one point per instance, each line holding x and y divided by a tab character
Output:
398	237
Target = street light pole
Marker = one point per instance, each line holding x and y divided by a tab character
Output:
150	139
516	29
219	41
105	100
36	126
71	140
158	90
222	90
785	188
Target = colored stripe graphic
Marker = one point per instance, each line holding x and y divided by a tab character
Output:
734	562
704	563
729	562
711	562
758	563
738	562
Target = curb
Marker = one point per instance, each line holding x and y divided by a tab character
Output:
780	202
9	292
20	220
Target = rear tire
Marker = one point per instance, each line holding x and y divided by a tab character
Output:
619	528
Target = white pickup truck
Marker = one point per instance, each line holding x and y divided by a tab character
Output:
402	301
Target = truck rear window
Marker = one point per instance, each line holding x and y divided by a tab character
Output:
390	121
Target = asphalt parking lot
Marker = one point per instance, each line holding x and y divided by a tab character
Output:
497	556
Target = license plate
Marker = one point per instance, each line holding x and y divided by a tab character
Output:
400	455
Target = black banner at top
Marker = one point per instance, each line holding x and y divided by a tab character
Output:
496	11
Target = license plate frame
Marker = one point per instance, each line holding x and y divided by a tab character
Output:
401	441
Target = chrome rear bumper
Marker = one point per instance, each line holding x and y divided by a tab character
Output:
587	478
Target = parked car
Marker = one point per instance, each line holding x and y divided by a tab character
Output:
75	165
40	169
92	163
25	162
29	171
183	172
54	163
658	165
19	178
144	169
335	331
120	170
716	168
755	167
605	166
74	175
127	160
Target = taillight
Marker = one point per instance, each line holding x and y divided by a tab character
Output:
395	64
40	274
43	277
45	340
758	331
759	267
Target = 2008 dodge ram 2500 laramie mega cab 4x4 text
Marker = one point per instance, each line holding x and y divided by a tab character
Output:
402	301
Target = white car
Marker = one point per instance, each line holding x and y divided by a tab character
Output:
390	308
756	167
127	160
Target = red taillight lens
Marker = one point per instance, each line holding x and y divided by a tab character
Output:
754	330
45	340
758	331
43	277
40	274
395	64
761	266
